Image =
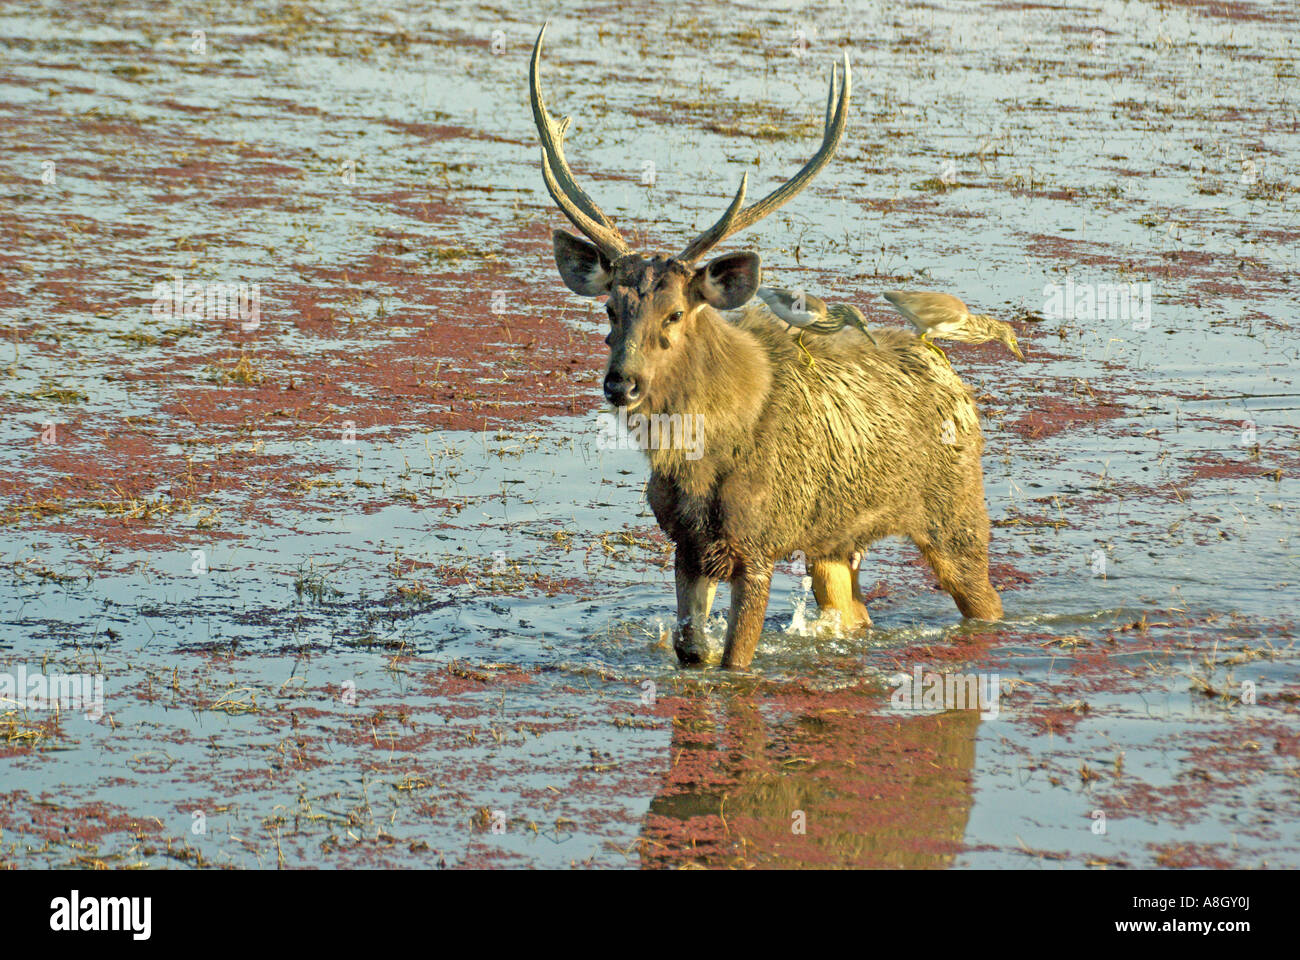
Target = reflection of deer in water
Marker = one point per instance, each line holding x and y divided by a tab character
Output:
875	790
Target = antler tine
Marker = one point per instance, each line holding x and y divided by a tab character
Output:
830	141
715	233
836	120
571	198
830	95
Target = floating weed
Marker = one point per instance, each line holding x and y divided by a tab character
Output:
137	338
32	509
455	254
312	585
935	185
1223	693
15	732
307	485
414	592
1270	190
131	71
244	372
60	394
237	700
764	131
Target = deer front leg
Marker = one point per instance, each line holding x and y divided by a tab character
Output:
750	584
694	601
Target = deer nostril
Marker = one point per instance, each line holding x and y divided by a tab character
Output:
620	390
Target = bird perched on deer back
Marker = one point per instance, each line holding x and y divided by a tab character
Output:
940	316
813	314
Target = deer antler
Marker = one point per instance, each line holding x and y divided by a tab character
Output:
583	213
571	198
733	222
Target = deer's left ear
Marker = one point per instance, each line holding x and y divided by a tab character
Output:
726	283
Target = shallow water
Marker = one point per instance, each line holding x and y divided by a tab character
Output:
427	623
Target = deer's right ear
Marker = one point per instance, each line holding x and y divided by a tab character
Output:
583	268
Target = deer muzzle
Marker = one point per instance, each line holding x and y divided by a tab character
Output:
622	390
625	381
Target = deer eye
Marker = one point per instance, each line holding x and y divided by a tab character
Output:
673	317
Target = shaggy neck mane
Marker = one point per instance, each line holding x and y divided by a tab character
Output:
722	384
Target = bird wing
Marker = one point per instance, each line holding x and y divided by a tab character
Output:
786	305
927	311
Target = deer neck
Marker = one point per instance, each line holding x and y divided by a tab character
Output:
719	390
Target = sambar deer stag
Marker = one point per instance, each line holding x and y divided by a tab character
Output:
822	446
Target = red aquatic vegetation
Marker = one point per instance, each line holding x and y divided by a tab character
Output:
1053	415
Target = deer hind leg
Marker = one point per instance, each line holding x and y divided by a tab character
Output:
835	585
695	594
855	568
961	562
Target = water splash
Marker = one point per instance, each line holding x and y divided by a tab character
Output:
799	621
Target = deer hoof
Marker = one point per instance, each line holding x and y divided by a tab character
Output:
690	656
